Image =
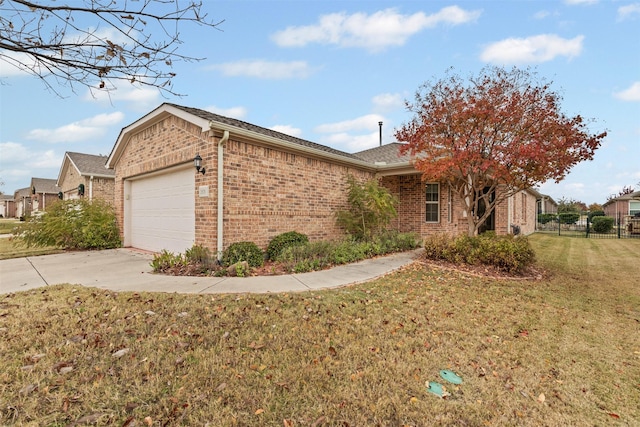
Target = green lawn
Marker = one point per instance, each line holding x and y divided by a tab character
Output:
7	225
10	250
559	351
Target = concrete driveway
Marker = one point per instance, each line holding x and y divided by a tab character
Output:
130	270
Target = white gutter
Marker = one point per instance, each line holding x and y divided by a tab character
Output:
220	221
91	188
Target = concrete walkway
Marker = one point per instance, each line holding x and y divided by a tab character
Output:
129	270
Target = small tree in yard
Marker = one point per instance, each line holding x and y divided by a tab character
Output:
371	208
498	134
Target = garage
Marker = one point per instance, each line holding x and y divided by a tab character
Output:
160	211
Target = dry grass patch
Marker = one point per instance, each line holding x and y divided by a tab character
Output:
562	351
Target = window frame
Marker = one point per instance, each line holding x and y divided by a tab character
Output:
431	202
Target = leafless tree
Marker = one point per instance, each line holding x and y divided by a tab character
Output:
96	43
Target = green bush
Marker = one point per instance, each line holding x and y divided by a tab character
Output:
166	260
285	240
371	208
568	217
594	214
507	253
546	218
602	224
322	254
71	224
243	251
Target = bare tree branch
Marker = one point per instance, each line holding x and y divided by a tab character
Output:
96	43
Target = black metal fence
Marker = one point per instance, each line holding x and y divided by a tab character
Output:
582	224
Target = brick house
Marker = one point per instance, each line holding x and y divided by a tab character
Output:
22	199
85	175
623	207
256	183
7	206
44	191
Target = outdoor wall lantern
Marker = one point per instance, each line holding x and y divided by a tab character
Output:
197	162
81	190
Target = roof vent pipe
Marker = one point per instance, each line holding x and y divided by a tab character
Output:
380	126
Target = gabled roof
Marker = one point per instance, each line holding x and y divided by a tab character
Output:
212	117
8	197
44	185
631	196
388	153
211	121
22	192
86	165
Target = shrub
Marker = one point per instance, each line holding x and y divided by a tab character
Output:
285	240
72	224
602	224
568	218
594	214
371	208
546	218
243	251
507	253
166	260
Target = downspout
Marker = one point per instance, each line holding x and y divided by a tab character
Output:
220	221
43	203
509	212
91	188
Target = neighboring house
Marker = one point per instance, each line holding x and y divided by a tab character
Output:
259	183
7	206
22	199
85	175
44	192
623	207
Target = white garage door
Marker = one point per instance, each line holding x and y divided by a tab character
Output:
162	209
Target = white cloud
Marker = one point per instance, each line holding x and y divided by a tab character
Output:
352	143
367	122
19	163
630	11
288	129
265	69
632	93
387	101
374	32
16	64
579	2
234	112
137	98
534	49
541	14
83	130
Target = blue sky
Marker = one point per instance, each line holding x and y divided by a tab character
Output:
329	71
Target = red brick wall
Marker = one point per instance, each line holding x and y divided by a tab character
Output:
103	188
267	191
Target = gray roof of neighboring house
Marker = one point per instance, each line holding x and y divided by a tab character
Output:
258	129
44	185
388	153
631	196
6	196
22	192
90	164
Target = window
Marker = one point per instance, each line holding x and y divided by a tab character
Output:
433	203
634	208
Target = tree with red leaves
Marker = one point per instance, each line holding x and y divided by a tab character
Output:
493	136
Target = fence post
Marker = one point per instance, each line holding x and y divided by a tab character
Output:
588	221
618	225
